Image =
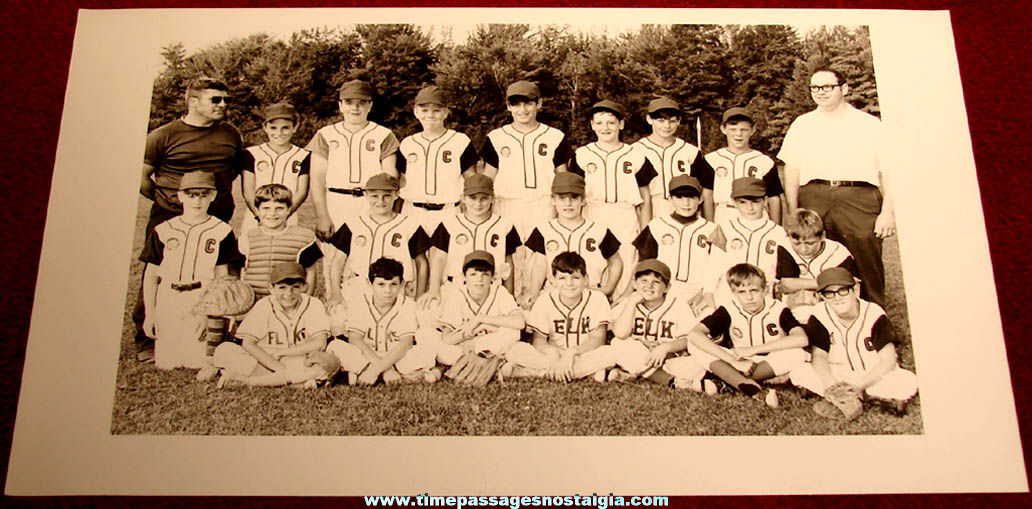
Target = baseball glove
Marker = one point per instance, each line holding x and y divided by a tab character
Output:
843	397
225	297
475	370
327	361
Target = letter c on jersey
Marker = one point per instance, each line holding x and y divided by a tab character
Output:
772	330
702	241
446	156
590	245
396	240
209	246
494	240
770	247
680	166
370	145
542	149
627	167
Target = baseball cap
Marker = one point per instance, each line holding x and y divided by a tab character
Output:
737	111
478	255
685	181
356	89
286	270
655	266
280	110
748	187
430	95
835	276
197	180
663	103
610	106
566	182
381	181
523	88
477	183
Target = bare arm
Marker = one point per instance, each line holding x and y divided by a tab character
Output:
886	363
820	366
324	225
422	273
336	272
492	172
885	223
312	344
707	204
389	165
247	190
302	193
437	259
699	336
796	338
393	355
792	187
645	208
625	321
794	284
150	297
270	362
509	281
774	208
614	268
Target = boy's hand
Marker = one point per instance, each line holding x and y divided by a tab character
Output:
149	327
527	300
566	365
368	376
741	353
324	228
429	299
657	356
744	367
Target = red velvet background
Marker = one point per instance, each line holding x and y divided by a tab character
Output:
992	45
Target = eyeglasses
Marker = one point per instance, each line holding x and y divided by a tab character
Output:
824	88
841	292
219	98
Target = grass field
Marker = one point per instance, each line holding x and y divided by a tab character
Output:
153	402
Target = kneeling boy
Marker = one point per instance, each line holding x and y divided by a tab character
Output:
853	342
766	339
277	335
569	327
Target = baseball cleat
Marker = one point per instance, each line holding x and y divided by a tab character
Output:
772	399
709	387
690	384
619	375
431	375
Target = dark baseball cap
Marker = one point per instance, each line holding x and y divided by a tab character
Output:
737	111
653	265
287	270
383	182
610	106
685	181
567	182
478	255
430	95
748	187
197	180
523	88
663	103
281	110
835	276
356	89
477	183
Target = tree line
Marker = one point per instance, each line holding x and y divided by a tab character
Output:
705	68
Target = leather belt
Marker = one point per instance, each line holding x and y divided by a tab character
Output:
352	192
186	287
843	183
431	206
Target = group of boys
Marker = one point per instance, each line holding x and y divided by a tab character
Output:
428	258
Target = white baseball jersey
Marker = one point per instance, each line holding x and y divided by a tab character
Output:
755	244
771	323
365	241
672	319
458	307
855	345
685	248
526	162
269	325
728	166
567	327
383	330
594	242
831	254
272	168
352	157
458	236
681	158
186	253
433	168
613	177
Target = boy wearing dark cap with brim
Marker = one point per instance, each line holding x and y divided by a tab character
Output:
735	161
277	161
750	237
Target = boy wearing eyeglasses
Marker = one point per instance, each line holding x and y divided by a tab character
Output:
852	341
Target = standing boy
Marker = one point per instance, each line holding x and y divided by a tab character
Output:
670	156
735	161
274	242
277	161
181	256
569	327
433	162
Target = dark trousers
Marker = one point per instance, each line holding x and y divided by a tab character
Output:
849	214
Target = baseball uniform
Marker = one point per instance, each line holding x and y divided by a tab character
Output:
853	351
685	248
671	320
273	328
262	250
566	327
365	241
351	158
792	265
594	242
433	174
725	167
681	158
458	236
185	256
269	167
382	332
771	323
459	308
754	242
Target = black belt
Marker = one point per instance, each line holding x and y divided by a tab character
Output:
352	192
431	206
186	287
842	183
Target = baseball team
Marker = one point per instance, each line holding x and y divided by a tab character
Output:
528	257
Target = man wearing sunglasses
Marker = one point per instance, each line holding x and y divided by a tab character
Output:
834	165
201	140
